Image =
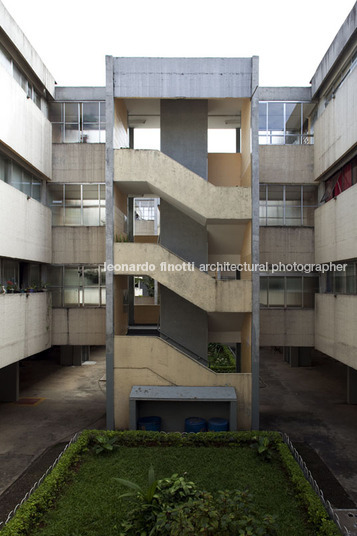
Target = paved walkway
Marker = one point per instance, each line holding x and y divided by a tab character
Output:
73	399
309	404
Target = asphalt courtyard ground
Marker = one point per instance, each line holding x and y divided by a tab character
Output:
309	404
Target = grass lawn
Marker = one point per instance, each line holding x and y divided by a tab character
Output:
89	505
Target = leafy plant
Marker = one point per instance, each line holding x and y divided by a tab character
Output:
263	446
175	507
220	358
104	443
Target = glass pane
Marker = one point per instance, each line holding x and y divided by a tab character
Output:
275	214
351	278
292	215
91	296
19	77
57	133
264	291
276	116
57	215
71	297
55	194
103	296
36	98
102	216
71	277
91	277
4	169
26	184
262	192
340	282
71	112
275	192
102	136
293	118
90	133
54	276
308	216
311	285
294	291
91	112
276	291
102	275
55	110
262	214
90	193
73	195
293	195
262	116
91	216
102	113
310	196
36	189
102	193
73	216
71	133
16	176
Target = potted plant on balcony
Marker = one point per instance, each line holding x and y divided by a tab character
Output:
11	287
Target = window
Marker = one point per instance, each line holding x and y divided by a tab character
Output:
12	68
77	286
77	204
16	176
288	291
290	205
340	181
344	282
282	123
78	122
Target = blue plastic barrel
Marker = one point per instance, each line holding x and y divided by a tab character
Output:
150	424
218	425
195	424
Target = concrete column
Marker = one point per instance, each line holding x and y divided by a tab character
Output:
238	357
74	356
351	385
131	287
9	383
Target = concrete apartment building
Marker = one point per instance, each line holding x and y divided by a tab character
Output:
77	197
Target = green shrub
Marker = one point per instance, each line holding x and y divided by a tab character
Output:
103	444
264	447
175	507
220	358
317	515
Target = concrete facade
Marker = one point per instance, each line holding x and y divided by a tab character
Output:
210	208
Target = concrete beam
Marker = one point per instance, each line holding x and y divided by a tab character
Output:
69	93
285	93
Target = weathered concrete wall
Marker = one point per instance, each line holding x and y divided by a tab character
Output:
82	245
151	361
286	327
286	245
335	320
336	128
183	132
335	49
80	93
78	326
190	78
25	325
183	235
78	162
25	226
286	164
23	127
335	228
285	93
142	172
225	169
26	50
